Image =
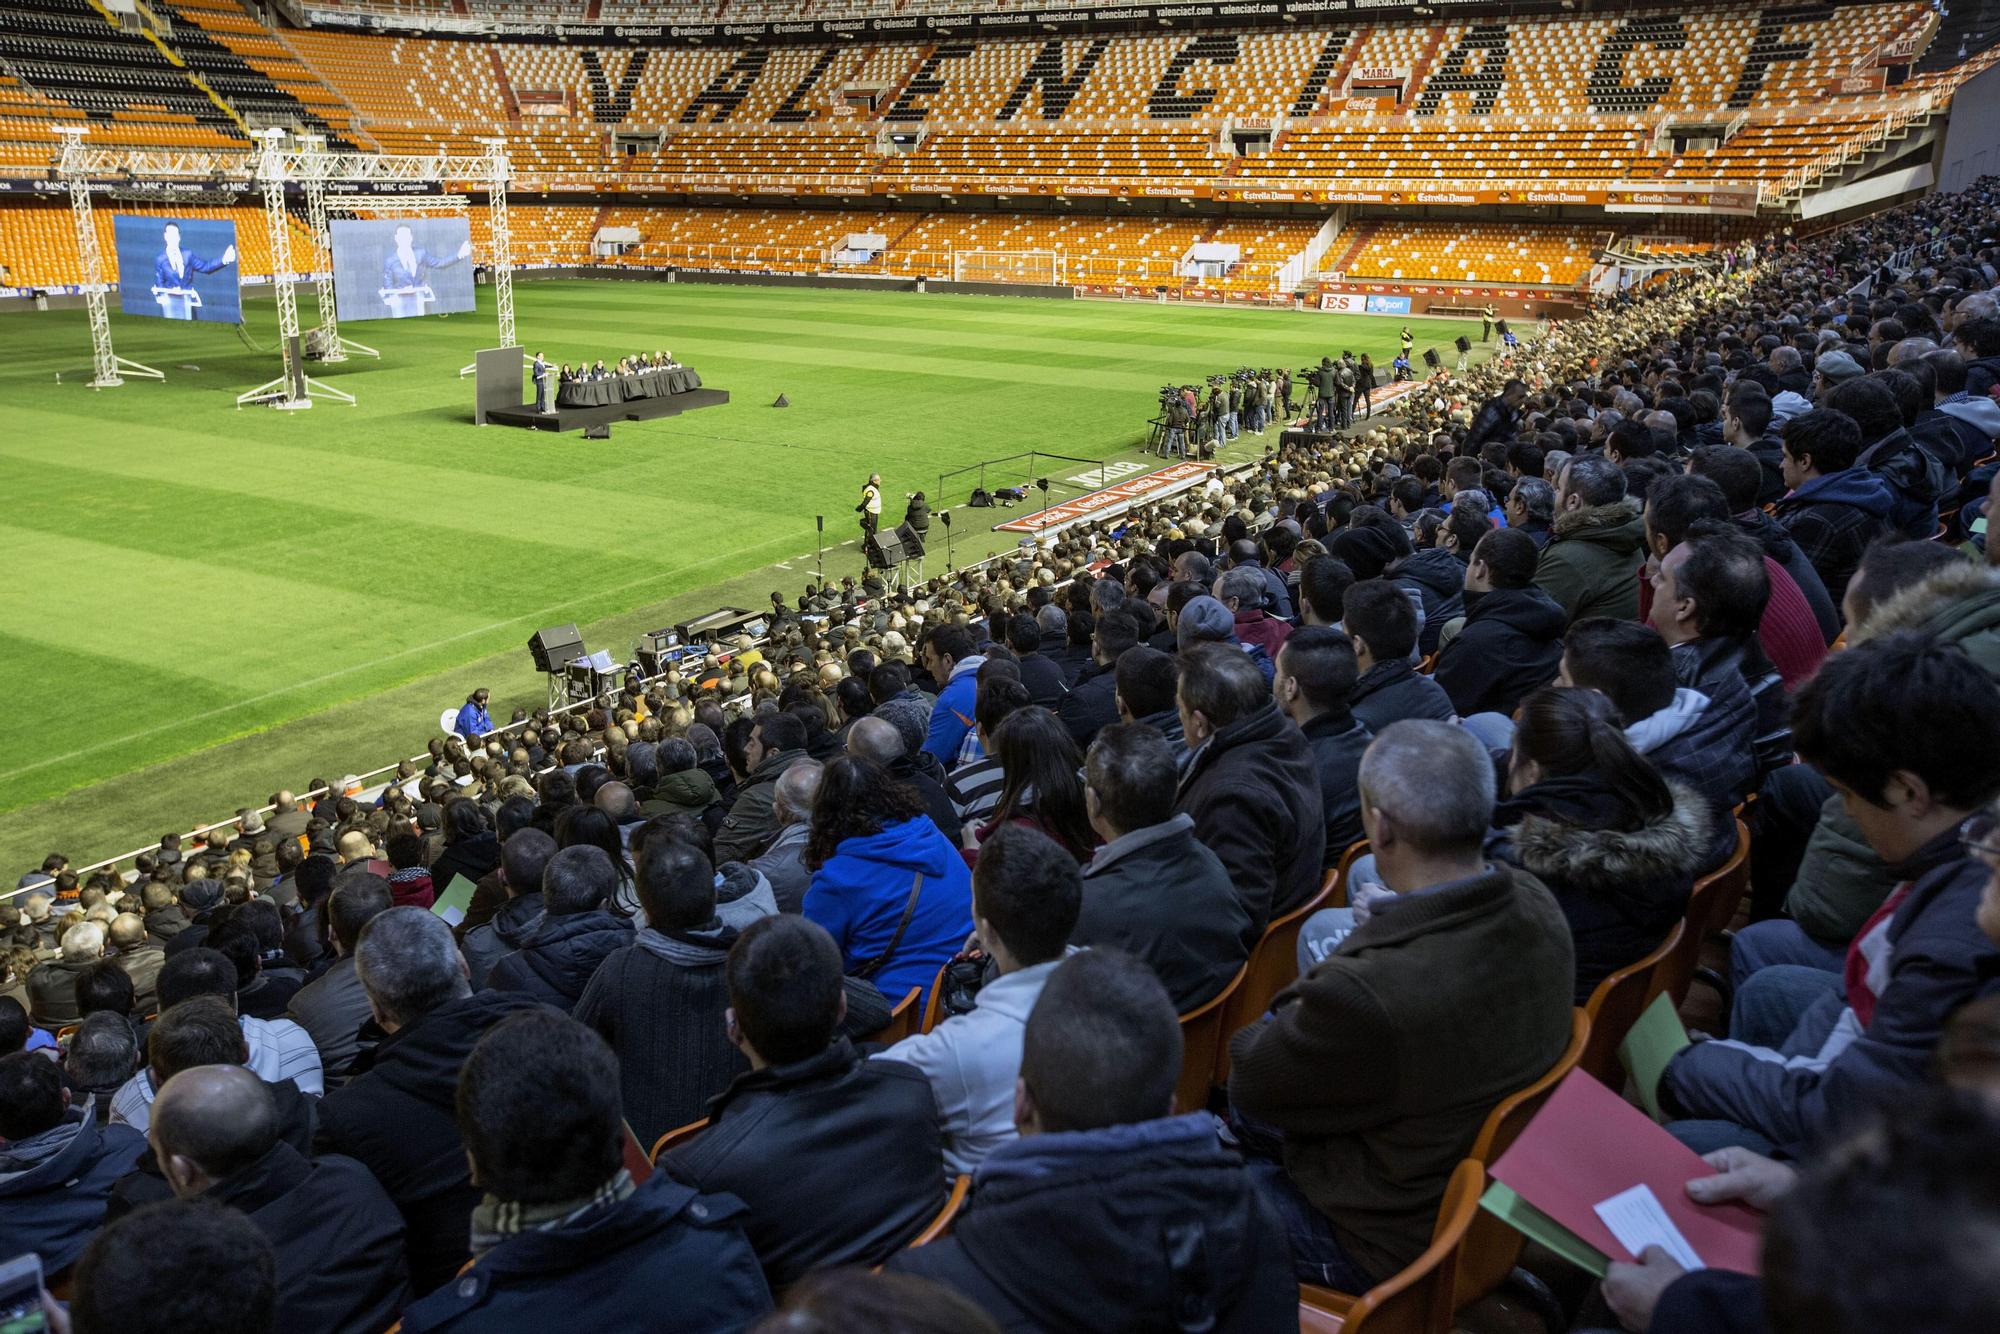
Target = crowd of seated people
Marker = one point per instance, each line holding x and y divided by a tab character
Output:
1535	646
638	363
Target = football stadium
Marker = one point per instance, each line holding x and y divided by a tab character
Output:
1089	610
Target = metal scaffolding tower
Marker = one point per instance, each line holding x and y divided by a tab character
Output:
74	168
294	388
332	347
501	242
271	169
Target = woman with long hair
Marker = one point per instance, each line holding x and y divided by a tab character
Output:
1592	819
886	883
587	824
470	847
1041	784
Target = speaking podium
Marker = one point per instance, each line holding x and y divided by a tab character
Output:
177	303
405	302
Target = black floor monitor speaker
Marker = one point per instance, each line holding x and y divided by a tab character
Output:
781	402
912	540
1431	358
554	647
598	432
1464	343
885	551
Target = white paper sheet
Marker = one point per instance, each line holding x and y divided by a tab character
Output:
1637	1218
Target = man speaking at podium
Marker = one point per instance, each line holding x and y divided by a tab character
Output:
406	273
174	270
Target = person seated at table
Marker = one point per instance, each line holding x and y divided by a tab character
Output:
597	371
567	375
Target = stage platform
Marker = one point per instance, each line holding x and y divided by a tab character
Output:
633	410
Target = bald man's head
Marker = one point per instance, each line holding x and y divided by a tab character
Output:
873	739
355	847
616	800
210	1123
128	931
793	796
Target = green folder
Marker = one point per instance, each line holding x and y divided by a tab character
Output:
1648	1047
455	902
1500	1201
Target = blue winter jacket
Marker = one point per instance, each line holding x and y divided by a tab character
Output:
667	1257
951	716
54	1186
472	722
858	896
1939	960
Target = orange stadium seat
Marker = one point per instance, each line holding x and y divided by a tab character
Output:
1475	252
1467	113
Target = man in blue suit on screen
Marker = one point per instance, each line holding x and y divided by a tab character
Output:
174	270
406	273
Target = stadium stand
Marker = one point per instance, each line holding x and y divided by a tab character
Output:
127	85
1732	107
38	245
1473	252
1545	99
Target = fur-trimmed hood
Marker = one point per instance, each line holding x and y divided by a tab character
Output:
1669	847
1615	524
1958	603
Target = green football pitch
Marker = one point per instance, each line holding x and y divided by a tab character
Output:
203	603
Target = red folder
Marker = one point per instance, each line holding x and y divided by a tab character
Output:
1588	1144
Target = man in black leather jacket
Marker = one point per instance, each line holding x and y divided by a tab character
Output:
838	1159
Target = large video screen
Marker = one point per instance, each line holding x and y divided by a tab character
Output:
177	268
399	268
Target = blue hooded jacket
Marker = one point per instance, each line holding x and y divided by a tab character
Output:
1850	486
951	716
858	896
1832	519
55	1186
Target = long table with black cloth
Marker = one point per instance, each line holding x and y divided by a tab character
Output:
616	389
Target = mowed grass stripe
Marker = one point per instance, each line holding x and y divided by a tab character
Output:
360	478
288	564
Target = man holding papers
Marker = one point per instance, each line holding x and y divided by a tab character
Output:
1906	730
1878	1236
1376	1068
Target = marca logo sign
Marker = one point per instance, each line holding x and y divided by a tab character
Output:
1175	478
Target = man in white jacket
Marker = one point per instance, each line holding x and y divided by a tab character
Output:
1026	893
